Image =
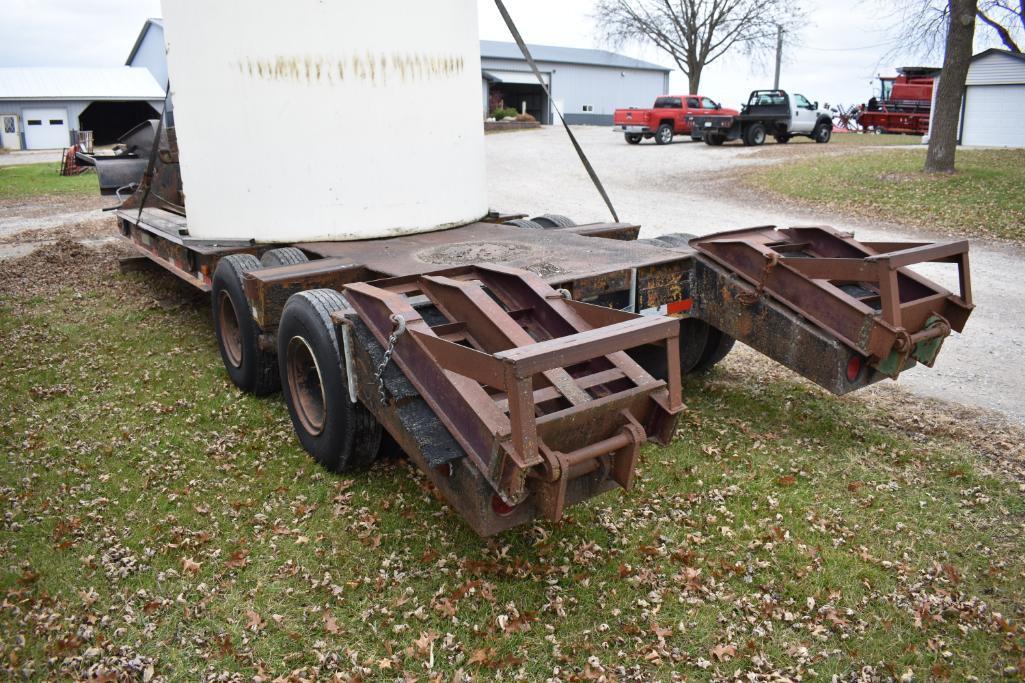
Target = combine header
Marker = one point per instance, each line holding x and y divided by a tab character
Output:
519	363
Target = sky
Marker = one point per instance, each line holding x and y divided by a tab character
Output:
833	59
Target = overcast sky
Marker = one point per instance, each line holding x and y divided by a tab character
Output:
833	60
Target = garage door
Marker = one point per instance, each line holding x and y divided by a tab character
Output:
992	115
45	128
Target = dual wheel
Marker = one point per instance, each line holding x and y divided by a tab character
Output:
340	435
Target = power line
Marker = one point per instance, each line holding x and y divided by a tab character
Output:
847	49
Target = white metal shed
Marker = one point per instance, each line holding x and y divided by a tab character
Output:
994	99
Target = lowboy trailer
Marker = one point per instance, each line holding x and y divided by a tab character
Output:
522	363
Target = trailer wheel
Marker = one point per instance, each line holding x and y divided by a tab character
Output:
524	223
283	256
554	220
664	134
717	346
694	339
754	135
823	132
339	434
633	138
238	337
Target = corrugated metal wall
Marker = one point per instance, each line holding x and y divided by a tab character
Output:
602	89
996	69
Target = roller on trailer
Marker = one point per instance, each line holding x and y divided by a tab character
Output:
520	363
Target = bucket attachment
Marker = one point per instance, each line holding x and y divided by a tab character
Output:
535	387
860	292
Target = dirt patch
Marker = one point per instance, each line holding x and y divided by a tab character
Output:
466	253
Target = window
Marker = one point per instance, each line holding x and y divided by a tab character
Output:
708	104
588	107
802	102
56	122
34	122
669	103
9	124
763	98
693	103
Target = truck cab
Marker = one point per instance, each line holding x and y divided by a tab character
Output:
669	116
768	112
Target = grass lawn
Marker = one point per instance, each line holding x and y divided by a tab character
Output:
985	198
860	139
159	522
35	180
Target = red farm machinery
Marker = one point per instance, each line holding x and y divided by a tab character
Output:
903	103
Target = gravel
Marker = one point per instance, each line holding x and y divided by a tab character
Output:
687	187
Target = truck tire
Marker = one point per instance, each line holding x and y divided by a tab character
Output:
283	256
339	434
250	368
782	139
633	138
714	139
553	220
524	223
823	132
717	346
754	135
664	134
695	337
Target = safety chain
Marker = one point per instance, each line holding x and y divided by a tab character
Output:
397	331
748	298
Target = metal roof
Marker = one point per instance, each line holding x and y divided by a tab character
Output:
78	83
142	35
565	55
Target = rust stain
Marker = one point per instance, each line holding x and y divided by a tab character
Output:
368	67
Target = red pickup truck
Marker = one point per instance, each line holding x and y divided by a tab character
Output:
671	115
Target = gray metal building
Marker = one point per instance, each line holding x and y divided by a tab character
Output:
586	85
43	107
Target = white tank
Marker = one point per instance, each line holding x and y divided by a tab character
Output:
326	120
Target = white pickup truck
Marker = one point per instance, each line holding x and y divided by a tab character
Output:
768	112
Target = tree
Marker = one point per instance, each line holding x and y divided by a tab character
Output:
956	59
1007	19
695	33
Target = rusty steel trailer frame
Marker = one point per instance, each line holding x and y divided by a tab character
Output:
513	364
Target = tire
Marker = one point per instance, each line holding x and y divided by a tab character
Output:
283	256
718	345
676	239
664	134
553	220
822	133
754	135
782	139
340	435
714	139
694	340
633	138
524	223
238	337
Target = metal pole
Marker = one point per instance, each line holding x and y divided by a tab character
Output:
779	55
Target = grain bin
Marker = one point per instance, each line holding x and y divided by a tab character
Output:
312	120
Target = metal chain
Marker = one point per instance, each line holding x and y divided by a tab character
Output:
397	331
749	298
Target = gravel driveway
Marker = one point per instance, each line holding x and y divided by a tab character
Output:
680	188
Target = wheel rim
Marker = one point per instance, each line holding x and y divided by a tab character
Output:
759	137
231	332
666	135
305	386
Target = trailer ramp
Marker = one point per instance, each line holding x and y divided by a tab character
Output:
536	388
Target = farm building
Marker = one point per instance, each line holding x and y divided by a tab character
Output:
586	85
993	100
43	107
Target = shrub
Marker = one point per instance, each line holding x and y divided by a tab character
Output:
507	113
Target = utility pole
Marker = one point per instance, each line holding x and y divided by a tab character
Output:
779	54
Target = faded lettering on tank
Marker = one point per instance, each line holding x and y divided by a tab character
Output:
363	67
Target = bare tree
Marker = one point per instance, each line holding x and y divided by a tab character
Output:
1007	19
956	60
695	33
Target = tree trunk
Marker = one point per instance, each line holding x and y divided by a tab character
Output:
956	59
694	80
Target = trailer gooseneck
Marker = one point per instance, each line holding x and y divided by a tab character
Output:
522	363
